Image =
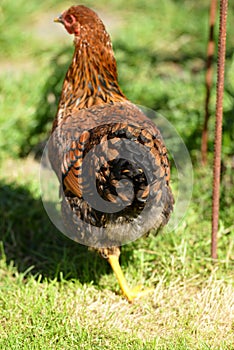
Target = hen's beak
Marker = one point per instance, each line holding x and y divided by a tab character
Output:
59	19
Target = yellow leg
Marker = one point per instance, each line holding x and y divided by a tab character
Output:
130	294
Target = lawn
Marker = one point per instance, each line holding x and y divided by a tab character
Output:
56	294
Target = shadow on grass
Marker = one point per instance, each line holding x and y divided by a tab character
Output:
30	239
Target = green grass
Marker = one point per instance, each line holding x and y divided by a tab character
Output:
54	293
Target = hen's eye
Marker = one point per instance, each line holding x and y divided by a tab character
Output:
69	19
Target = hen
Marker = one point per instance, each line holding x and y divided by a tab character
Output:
109	157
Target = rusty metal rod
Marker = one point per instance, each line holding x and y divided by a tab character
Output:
208	80
218	126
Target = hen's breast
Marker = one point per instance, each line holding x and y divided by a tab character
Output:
113	169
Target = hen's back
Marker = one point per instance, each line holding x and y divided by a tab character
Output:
114	173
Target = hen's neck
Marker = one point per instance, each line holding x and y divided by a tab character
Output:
90	80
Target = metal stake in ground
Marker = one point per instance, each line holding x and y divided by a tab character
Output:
208	80
218	127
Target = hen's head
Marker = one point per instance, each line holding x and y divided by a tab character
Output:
83	23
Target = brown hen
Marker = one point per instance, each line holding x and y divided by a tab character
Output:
109	157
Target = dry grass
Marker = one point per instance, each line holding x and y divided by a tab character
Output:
205	313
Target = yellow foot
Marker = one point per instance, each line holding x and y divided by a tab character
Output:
136	293
130	294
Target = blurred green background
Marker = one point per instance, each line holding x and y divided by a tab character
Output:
160	49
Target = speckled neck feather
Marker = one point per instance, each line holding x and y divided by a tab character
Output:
92	76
